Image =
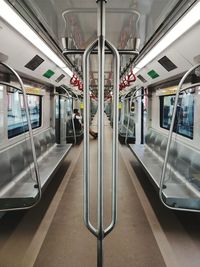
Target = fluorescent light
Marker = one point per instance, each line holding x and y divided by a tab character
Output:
136	69
68	71
20	25
185	23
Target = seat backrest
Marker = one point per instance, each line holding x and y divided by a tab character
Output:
5	168
17	161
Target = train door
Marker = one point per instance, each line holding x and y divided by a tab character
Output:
61	119
138	105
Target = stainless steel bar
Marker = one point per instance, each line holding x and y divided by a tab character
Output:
115	136
189	86
108	10
107	52
100	165
86	169
10	85
169	142
31	138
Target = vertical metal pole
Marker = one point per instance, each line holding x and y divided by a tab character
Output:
115	136
86	169
101	59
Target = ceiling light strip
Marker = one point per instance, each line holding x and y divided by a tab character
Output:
12	18
183	25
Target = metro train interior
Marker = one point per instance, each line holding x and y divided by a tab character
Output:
99	133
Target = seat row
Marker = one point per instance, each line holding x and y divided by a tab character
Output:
18	182
182	179
129	129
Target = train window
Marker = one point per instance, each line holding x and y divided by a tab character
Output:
17	121
184	120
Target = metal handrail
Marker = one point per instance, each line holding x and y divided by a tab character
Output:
189	87
115	137
31	139
86	168
169	142
100	232
108	10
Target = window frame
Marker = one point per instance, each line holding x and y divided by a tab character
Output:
25	126
161	101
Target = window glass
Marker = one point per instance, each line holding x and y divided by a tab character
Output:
184	119
17	121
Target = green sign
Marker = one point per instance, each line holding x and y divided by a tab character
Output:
153	74
48	74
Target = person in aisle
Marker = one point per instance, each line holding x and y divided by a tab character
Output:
78	123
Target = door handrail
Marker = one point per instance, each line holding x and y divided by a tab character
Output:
170	139
31	138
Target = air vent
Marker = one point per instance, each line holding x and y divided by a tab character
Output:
34	63
141	78
60	78
167	63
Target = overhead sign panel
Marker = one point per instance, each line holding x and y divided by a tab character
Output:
48	74
153	74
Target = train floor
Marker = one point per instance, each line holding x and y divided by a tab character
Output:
53	234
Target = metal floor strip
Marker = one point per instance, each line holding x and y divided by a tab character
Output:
34	248
156	228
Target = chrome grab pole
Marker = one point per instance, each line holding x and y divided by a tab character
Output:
100	166
31	138
115	136
100	232
170	139
86	168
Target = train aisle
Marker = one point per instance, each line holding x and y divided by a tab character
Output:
68	242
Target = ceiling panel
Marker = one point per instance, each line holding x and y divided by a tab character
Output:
121	26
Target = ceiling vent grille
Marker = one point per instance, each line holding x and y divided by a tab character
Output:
141	78
167	63
34	63
60	78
